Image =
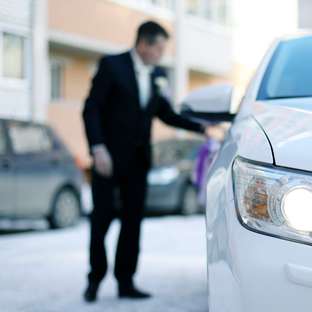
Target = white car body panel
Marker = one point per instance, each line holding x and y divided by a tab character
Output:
249	271
245	130
289	129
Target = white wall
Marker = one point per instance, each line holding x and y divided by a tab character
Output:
16	12
257	23
305	14
15	17
208	47
40	54
201	46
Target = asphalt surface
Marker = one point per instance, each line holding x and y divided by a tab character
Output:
45	271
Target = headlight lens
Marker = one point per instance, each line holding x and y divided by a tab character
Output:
297	208
163	176
274	201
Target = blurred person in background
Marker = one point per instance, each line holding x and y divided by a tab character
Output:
126	93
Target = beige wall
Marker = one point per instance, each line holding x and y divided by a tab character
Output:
77	73
99	19
65	115
66	121
77	76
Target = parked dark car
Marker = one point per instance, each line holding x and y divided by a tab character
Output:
170	182
38	175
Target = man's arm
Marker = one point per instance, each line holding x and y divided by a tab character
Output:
95	104
93	109
168	116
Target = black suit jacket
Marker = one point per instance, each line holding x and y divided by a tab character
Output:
112	114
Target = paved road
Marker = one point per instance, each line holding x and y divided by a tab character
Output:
44	271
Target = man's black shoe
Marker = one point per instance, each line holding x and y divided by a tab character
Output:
91	292
131	292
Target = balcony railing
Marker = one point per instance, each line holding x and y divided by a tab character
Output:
217	11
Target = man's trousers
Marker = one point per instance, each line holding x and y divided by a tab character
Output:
132	189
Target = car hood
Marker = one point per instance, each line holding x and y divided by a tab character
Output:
288	126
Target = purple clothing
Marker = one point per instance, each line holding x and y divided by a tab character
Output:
202	156
205	157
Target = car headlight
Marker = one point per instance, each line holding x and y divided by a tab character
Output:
274	201
163	176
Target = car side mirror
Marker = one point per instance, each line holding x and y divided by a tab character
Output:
210	103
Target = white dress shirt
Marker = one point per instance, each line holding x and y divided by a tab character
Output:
143	76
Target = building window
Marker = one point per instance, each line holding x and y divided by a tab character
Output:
13	61
217	11
57	79
193	6
163	3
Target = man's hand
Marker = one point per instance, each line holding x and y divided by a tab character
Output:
102	160
217	132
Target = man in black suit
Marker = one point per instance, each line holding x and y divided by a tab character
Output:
127	92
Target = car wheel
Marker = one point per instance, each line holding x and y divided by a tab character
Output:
189	205
65	209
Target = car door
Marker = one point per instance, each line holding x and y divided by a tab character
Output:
7	205
31	146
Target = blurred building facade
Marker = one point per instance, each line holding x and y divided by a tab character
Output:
305	10
23	83
49	49
81	31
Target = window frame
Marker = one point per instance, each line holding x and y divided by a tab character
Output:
62	63
16	83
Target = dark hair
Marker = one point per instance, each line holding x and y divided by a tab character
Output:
149	31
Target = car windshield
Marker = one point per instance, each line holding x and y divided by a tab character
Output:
170	152
289	74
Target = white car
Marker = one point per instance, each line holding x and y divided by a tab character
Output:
259	189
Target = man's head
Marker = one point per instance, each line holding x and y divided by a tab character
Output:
151	42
